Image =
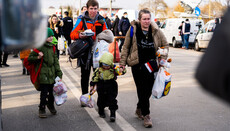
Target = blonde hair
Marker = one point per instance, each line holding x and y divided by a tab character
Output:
52	25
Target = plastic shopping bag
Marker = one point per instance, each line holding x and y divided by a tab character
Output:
162	84
59	92
87	100
101	47
61	43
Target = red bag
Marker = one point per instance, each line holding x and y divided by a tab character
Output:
31	68
111	50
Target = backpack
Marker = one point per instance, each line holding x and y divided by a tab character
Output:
31	68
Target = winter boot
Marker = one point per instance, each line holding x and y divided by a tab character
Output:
42	113
139	114
112	115
23	71
52	109
101	112
147	121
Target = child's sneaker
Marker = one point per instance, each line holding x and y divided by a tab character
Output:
101	112
42	113
112	115
147	121
52	109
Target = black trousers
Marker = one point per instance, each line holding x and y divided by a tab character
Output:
46	95
107	94
85	74
5	56
144	83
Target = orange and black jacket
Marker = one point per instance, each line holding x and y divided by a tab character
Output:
97	25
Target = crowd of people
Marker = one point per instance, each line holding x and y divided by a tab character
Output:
135	51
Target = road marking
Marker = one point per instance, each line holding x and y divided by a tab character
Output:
121	122
102	124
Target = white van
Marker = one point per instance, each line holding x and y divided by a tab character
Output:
205	35
171	31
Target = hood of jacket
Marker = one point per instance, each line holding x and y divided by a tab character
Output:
106	35
86	15
107	58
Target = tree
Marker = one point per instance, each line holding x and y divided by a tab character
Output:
217	9
158	7
178	8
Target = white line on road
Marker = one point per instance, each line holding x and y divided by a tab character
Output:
102	124
121	122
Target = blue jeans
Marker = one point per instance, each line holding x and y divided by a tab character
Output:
186	40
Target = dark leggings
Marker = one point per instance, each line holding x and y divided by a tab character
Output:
107	94
144	83
46	93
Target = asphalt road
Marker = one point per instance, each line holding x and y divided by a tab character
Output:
186	108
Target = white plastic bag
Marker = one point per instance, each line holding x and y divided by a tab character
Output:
162	84
87	100
101	47
59	92
61	43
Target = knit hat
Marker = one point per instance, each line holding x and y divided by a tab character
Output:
50	32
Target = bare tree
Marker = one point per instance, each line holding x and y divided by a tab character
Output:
155	6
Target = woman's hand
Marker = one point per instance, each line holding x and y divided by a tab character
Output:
122	68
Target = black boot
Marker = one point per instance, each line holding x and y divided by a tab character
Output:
101	112
52	109
112	115
42	112
23	71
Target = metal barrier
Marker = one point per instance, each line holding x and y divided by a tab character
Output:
115	39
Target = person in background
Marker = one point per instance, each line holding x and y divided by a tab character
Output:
49	71
115	26
138	50
83	9
97	24
107	20
4	60
56	25
186	32
181	32
23	55
123	27
67	27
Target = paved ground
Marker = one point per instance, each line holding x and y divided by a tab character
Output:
186	108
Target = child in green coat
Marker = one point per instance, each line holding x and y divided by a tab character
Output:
49	71
104	78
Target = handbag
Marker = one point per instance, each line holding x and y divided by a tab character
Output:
79	47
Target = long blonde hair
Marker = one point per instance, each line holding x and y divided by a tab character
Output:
52	25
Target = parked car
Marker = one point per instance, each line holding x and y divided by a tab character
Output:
172	33
205	35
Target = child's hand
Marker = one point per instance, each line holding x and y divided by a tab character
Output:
82	36
40	55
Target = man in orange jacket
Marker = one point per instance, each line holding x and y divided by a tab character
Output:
97	24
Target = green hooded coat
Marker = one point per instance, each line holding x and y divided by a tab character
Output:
50	66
